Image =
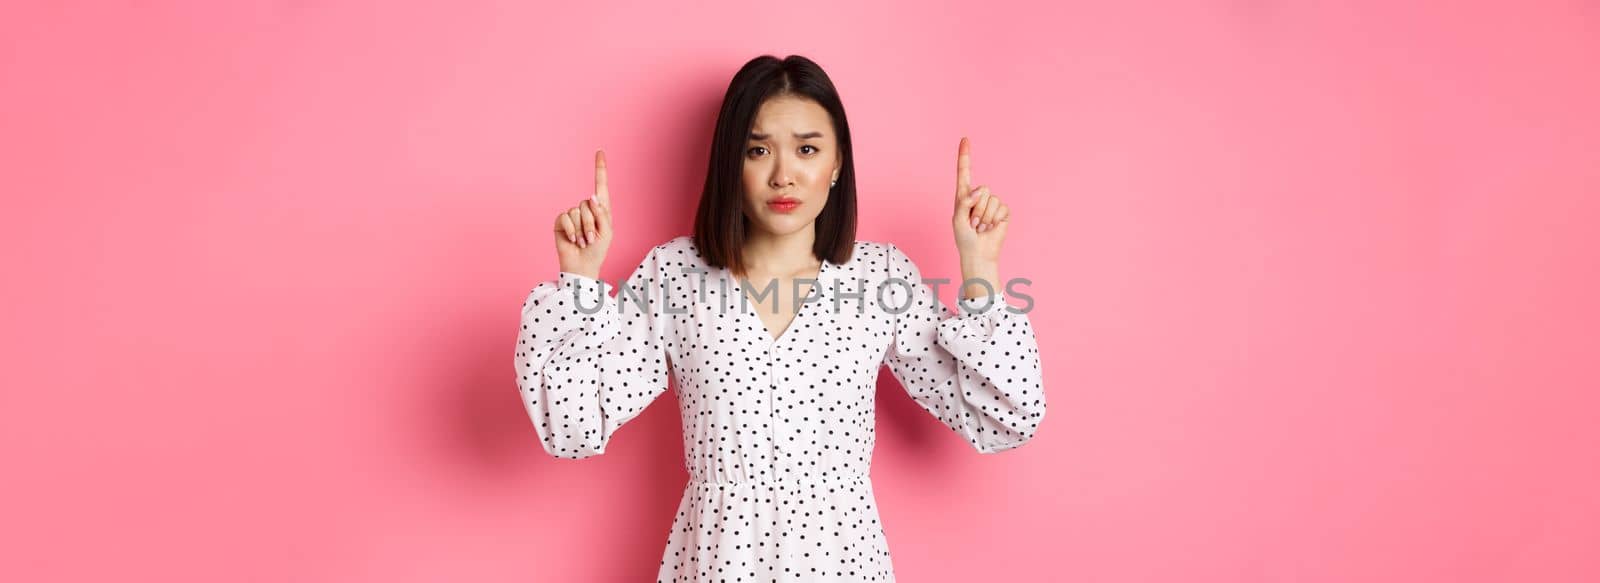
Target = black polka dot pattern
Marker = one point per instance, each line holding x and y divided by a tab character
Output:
777	433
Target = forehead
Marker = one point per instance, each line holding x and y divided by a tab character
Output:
782	116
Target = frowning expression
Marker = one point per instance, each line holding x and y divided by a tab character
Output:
790	158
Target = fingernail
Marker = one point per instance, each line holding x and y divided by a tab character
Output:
571	238
974	222
592	236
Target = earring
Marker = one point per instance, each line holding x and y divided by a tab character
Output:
834	183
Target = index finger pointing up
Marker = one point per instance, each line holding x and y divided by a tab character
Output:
601	194
963	169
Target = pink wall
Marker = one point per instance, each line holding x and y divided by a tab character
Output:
1315	284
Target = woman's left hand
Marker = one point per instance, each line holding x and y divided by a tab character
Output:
980	218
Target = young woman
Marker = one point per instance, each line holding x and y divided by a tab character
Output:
776	390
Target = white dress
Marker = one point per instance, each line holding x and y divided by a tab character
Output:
777	434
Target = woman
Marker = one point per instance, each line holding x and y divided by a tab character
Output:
777	397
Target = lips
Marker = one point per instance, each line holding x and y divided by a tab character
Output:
783	204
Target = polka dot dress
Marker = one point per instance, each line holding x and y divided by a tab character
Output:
777	432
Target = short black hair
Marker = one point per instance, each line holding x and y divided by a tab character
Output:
720	226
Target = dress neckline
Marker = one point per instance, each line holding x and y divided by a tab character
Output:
805	303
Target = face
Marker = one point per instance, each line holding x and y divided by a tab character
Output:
790	158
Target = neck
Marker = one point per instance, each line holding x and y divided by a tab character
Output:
770	254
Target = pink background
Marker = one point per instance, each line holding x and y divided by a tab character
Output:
1315	284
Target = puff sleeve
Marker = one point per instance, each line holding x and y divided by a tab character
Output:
977	371
588	362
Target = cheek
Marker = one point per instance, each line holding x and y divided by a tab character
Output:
753	179
749	185
752	183
821	172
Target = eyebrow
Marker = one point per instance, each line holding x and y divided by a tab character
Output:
804	136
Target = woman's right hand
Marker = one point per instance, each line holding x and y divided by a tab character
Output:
583	232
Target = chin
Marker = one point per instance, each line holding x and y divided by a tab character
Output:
781	226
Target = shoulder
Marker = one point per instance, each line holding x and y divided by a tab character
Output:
873	258
678	242
871	251
680	248
675	253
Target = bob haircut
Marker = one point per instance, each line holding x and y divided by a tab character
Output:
720	227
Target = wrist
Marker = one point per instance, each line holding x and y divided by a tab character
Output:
979	267
979	280
589	272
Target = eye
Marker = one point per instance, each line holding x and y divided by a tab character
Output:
752	151
808	146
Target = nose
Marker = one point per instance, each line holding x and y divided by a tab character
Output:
780	174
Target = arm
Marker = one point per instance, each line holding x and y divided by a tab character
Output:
978	373
584	372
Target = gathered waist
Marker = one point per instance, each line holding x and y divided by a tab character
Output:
836	478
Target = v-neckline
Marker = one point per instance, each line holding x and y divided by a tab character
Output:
761	326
